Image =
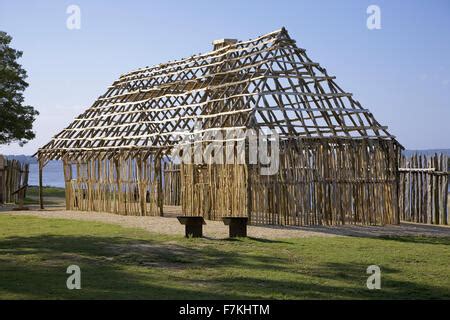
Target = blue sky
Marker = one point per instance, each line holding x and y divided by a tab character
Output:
401	72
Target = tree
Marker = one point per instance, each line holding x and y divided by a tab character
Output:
16	119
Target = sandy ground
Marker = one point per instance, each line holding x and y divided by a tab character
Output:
217	230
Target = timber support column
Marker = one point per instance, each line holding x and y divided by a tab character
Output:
397	190
41	196
397	185
141	189
249	194
159	192
117	162
2	178
67	169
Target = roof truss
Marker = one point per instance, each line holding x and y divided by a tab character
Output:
267	83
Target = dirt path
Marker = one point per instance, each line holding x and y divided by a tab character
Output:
216	229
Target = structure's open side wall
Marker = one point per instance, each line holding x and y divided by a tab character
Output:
318	182
214	191
339	182
123	186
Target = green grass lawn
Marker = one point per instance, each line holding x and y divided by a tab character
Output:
33	191
32	196
120	263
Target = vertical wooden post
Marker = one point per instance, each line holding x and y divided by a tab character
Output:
397	183
249	194
140	182
41	197
159	192
445	168
436	190
26	171
117	165
2	178
248	182
67	169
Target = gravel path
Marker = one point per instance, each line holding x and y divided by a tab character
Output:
217	230
170	225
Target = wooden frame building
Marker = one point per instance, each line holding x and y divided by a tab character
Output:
337	164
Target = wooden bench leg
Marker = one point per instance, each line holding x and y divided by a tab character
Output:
193	226
238	229
194	230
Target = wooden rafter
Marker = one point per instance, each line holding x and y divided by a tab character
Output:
267	82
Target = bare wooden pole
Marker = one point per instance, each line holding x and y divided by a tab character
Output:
159	193
397	185
249	194
140	181
41	196
248	183
67	169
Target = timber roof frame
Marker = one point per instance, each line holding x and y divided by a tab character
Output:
265	83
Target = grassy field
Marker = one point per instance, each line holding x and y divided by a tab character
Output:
33	191
120	263
50	195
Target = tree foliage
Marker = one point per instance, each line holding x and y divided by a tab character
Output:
16	118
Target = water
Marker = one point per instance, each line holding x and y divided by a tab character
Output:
52	175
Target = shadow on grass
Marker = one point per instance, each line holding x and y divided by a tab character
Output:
123	268
405	229
245	239
419	240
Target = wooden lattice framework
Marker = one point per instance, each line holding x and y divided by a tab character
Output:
347	158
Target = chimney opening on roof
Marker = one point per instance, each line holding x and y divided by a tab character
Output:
221	43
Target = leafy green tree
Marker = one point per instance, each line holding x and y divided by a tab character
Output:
16	119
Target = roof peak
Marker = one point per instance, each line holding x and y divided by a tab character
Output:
273	34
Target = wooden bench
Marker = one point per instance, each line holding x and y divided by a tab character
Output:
193	225
237	226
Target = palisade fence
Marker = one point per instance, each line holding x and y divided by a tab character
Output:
423	192
424	189
172	184
13	176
